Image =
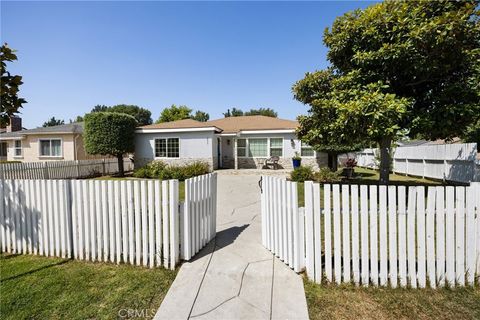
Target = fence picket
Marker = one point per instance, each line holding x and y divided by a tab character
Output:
373	235
440	235
430	226
450	236
402	237
421	271
364	234
327	232
355	235
309	241
470	249
460	235
337	245
383	236
392	235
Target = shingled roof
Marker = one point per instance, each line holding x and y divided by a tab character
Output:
230	124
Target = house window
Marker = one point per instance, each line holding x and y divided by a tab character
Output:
276	147
18	148
167	148
242	147
307	151
3	149
258	147
51	148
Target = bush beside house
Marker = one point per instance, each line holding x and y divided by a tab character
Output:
163	171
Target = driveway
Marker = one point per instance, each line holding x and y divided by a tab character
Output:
235	277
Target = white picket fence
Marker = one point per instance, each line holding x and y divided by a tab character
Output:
139	222
452	162
283	223
62	169
377	235
200	213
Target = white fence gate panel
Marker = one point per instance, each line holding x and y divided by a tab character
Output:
396	235
129	221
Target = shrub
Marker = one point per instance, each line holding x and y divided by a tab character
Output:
302	174
325	175
160	170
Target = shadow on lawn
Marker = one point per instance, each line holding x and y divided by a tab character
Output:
35	270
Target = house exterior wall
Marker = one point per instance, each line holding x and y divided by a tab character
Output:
72	148
290	145
194	146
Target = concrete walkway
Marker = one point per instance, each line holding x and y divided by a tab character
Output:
235	277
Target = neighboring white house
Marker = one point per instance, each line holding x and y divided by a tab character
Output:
232	142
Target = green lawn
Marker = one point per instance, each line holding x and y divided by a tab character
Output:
34	287
370	176
349	302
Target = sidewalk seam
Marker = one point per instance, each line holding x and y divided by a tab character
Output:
203	277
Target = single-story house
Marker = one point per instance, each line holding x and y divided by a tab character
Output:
232	142
63	142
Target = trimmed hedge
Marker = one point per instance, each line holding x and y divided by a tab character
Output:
161	170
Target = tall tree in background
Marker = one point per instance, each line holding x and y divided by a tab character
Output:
233	113
397	67
53	122
110	133
142	115
268	112
201	116
174	113
10	85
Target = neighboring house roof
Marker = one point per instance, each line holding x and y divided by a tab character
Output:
229	124
76	127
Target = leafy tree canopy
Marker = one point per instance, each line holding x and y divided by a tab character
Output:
174	113
233	113
472	134
142	115
398	67
268	112
10	85
53	122
110	133
201	116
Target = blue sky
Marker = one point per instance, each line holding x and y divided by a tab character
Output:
208	55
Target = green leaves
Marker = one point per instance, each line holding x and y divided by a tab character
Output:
174	113
10	86
109	133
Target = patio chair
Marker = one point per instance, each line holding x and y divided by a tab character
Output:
272	161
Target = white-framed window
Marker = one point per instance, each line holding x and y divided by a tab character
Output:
242	147
17	150
276	147
50	147
259	147
167	148
307	151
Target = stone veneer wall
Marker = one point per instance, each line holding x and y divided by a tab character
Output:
174	161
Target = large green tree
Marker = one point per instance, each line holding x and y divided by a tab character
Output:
9	87
53	122
174	113
110	133
397	68
235	112
142	115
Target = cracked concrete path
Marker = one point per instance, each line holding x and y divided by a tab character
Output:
234	276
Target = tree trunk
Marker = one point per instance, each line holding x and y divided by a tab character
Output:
385	145
333	161
121	172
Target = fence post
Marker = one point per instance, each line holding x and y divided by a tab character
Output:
77	165
103	167
309	258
